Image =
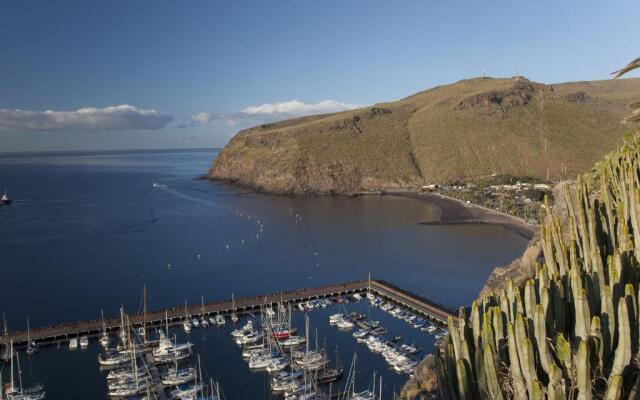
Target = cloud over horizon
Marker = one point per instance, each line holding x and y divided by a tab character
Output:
118	117
269	112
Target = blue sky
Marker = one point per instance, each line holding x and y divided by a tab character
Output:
161	74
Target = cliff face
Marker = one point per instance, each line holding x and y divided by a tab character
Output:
463	131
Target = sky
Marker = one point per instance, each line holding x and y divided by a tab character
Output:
146	74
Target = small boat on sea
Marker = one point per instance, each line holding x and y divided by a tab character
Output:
84	342
5	200
73	344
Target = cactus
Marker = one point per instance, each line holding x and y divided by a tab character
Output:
622	356
491	375
464	388
614	389
584	372
572	331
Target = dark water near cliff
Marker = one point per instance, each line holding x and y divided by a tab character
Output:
86	231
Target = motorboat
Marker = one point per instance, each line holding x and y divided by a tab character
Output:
345	324
335	318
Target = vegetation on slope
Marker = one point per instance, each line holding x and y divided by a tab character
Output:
458	132
572	332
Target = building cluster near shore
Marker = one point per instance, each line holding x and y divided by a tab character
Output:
522	199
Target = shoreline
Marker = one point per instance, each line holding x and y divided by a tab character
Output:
456	212
452	211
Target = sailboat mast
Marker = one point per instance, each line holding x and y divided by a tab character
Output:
144	313
166	322
19	373
373	390
306	328
11	355
28	333
199	372
123	333
4	320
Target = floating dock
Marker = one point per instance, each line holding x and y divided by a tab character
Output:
53	335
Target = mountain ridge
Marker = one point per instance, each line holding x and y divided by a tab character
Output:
457	132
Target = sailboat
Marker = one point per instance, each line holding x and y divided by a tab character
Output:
31	345
310	360
104	339
203	319
349	391
329	375
137	384
35	392
176	376
234	317
142	331
186	324
193	391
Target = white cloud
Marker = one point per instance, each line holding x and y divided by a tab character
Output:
201	118
270	112
295	107
108	118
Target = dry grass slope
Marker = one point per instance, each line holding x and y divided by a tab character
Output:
462	131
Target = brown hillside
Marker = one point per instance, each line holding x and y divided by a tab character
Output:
462	131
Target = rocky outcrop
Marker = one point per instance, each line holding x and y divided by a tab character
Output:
423	384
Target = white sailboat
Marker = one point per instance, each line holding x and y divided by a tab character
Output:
234	316
31	345
104	338
203	320
35	392
186	324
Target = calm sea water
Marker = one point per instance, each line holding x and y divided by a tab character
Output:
87	231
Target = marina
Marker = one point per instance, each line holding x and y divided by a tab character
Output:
142	361
67	332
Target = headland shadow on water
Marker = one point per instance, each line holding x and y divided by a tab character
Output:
451	211
455	212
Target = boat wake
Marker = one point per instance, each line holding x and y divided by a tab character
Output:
194	199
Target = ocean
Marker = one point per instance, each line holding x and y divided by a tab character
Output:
87	231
